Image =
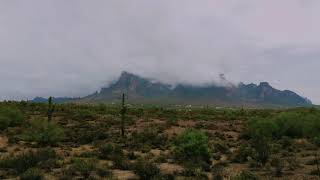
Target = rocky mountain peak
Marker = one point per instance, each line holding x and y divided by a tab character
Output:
143	90
265	84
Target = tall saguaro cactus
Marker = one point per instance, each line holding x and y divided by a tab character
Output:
123	114
317	160
51	108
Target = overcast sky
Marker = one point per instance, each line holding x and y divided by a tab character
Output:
74	47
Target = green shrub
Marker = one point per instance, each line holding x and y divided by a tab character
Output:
172	121
194	174
107	151
21	162
102	172
263	127
192	145
49	164
89	154
316	141
138	112
297	124
4	123
149	136
168	114
120	162
84	166
243	153
88	136
262	149
114	153
231	114
10	117
145	169
283	126
32	174
43	132
83	114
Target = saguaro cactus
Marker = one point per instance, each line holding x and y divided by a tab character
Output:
51	108
317	160
123	114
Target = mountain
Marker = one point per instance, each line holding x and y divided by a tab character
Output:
57	100
143	90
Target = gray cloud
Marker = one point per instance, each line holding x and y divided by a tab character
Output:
74	47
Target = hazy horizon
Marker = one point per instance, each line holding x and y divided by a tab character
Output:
73	48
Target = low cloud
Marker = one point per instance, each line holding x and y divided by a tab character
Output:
72	48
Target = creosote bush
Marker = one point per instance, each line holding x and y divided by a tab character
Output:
262	149
115	154
22	162
192	145
84	166
146	169
291	124
103	172
107	151
149	136
83	114
282	126
10	117
86	135
32	174
243	153
43	132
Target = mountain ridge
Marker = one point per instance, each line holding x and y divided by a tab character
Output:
57	100
144	90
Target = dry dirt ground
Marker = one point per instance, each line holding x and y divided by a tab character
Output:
225	132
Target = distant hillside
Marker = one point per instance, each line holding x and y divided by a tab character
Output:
55	100
143	90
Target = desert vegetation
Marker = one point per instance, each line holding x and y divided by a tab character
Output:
85	141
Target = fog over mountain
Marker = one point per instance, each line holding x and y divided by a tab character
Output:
74	47
143	90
